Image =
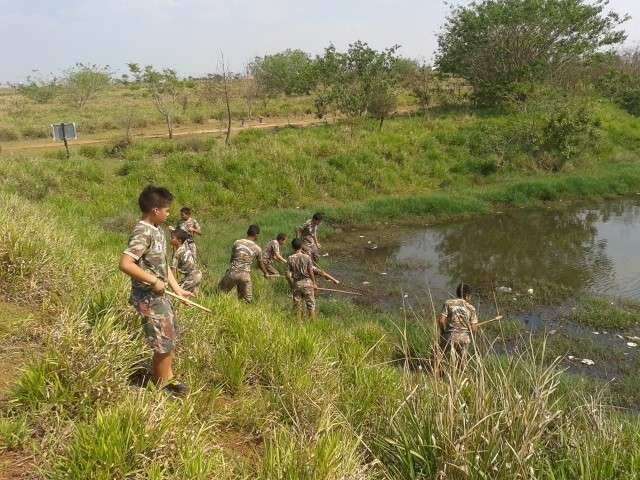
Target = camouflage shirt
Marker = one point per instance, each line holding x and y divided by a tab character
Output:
148	247
460	316
298	265
187	225
270	251
183	260
309	230
242	254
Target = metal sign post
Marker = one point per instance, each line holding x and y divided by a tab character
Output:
64	132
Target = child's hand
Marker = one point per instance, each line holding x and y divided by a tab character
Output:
184	293
158	287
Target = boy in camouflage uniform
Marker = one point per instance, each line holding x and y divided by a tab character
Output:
308	233
184	262
272	254
145	261
189	225
457	322
301	275
243	252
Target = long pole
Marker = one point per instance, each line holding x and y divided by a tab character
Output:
499	317
64	139
338	291
187	301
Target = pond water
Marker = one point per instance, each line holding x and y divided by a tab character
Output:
556	253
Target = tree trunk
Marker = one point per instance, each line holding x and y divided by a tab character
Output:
169	126
381	122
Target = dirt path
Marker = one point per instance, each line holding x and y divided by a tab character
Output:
178	132
39	145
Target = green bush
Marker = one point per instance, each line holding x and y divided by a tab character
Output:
198	118
8	134
566	132
34	132
623	89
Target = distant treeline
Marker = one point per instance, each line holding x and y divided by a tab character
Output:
491	53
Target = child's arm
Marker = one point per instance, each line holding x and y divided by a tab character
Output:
279	256
129	266
196	228
312	276
474	322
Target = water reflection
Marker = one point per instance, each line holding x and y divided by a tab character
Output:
568	250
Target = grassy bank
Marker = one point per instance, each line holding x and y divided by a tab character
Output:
273	398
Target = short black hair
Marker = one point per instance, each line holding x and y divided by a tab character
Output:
463	290
186	210
253	230
180	235
154	197
318	216
281	236
296	244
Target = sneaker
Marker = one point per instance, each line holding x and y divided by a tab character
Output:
176	389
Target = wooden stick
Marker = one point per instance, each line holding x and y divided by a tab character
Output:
499	317
187	301
182	299
338	291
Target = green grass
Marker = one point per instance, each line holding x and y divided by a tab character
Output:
605	314
273	397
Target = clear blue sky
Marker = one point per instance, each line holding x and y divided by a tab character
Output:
188	35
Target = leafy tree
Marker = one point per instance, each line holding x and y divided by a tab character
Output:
621	82
84	81
421	81
361	80
498	44
382	101
164	87
38	89
290	72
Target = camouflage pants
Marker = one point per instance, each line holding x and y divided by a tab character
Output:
270	267
192	281
158	320
311	249
455	348
241	281
304	293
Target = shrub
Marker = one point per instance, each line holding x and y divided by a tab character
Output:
198	118
567	131
8	135
89	151
34	132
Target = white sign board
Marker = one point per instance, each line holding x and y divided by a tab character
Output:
69	130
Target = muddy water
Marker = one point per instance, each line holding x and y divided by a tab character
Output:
556	253
545	258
